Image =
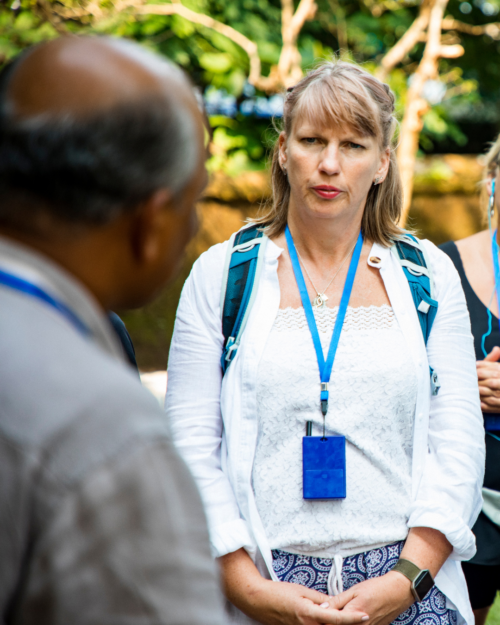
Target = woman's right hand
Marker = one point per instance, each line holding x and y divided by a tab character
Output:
488	373
277	603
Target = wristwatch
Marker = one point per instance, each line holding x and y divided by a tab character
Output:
421	580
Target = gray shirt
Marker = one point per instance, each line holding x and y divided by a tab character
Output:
100	521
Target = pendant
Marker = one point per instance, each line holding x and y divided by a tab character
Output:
320	301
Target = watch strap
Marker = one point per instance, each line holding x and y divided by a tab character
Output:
421	579
407	568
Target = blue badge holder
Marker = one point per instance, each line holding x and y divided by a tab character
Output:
323	467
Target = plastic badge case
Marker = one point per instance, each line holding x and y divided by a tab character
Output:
323	464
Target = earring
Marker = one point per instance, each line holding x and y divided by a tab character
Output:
377	180
283	169
491	204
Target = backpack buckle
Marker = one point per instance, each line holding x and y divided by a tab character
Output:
423	307
231	348
435	386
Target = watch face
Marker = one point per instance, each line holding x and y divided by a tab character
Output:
423	583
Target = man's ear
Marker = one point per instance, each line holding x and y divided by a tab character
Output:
148	225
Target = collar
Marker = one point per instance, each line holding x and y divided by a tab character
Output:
31	265
378	256
273	251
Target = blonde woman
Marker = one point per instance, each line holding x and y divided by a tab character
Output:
474	259
413	461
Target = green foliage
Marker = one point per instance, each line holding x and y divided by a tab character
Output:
494	614
362	30
21	28
237	144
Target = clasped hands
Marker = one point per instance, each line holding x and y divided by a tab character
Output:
376	601
488	373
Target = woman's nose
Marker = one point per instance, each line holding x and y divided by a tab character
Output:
330	163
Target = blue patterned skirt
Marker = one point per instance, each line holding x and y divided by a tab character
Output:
314	572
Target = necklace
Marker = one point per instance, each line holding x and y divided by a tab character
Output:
321	298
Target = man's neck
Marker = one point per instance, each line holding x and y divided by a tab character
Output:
77	255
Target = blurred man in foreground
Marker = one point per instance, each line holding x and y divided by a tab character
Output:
101	160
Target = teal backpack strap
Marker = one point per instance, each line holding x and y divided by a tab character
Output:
418	271
240	279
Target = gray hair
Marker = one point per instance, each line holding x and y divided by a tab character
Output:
87	172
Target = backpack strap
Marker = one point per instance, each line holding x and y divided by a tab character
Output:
412	257
242	269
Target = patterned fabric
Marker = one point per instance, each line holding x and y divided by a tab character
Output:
314	572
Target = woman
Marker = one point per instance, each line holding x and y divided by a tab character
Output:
413	464
473	258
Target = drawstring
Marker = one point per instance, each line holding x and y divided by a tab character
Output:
335	585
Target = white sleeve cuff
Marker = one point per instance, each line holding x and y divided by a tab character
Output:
230	537
452	526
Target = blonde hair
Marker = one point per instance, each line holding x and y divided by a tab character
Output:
491	164
492	158
339	93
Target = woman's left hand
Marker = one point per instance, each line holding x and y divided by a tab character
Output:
488	373
385	598
382	598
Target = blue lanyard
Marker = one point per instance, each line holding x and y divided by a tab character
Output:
23	286
496	268
491	419
325	367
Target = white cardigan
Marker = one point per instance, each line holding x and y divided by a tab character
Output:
216	428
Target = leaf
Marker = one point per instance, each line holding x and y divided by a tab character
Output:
216	62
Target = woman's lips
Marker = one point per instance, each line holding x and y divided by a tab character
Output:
329	193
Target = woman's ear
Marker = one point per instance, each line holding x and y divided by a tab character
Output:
385	161
282	150
489	182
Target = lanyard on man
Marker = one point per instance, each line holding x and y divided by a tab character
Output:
32	290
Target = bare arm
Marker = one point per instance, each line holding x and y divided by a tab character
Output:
427	548
278	603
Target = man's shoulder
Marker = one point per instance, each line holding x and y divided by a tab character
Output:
63	397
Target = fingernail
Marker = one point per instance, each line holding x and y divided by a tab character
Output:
325	605
365	618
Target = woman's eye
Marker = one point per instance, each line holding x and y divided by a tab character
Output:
309	140
354	146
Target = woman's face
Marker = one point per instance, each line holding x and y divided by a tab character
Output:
330	169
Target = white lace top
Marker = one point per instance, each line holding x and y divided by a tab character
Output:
373	393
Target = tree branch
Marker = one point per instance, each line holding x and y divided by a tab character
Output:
416	33
416	106
451	52
47	13
246	44
305	12
289	70
492	30
407	42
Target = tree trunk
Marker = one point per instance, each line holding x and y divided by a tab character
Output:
416	106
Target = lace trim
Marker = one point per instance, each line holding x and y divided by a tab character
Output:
356	319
